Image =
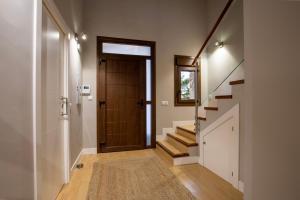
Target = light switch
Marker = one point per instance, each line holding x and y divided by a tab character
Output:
90	98
164	103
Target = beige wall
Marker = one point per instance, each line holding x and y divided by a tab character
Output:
272	73
71	11
16	143
177	26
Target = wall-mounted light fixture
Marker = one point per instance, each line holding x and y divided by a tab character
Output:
84	36
219	44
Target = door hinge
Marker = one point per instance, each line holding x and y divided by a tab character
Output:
232	128
231	173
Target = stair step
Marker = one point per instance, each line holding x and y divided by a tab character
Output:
171	150
237	82
202	118
223	97
188	128
211	108
183	140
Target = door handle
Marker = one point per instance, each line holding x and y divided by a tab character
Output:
102	103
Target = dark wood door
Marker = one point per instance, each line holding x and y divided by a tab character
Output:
121	106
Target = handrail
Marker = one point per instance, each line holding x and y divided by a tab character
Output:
213	30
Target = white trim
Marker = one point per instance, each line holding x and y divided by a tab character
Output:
88	151
232	113
241	186
34	95
186	160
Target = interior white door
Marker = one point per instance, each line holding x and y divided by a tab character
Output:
219	150
51	144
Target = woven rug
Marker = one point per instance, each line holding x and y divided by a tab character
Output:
135	179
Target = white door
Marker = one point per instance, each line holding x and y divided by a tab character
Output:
219	150
51	144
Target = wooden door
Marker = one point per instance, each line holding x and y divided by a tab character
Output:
121	103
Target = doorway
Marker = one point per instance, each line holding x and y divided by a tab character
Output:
125	94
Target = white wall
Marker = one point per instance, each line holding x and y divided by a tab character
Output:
272	91
177	26
221	61
16	56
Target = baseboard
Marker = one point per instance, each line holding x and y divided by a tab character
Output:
84	151
186	160
241	186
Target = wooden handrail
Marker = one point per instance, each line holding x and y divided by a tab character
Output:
213	30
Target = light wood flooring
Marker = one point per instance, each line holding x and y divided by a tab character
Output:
203	184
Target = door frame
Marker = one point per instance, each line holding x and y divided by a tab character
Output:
100	55
36	83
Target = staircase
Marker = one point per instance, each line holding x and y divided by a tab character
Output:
181	145
220	104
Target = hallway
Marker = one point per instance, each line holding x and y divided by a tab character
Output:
202	183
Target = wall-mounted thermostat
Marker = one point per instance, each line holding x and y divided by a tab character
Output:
85	90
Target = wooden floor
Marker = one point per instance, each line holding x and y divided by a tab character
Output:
203	184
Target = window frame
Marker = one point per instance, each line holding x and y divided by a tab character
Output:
184	63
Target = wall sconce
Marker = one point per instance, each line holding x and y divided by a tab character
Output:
84	36
219	44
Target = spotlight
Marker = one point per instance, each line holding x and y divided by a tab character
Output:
84	36
219	44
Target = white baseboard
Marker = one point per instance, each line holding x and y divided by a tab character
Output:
241	186
84	151
186	160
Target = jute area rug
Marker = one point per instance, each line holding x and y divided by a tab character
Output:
135	179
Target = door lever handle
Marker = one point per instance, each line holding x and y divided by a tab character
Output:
102	103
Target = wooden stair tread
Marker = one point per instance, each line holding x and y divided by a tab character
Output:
237	82
187	128
211	108
184	140
223	97
170	149
202	118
